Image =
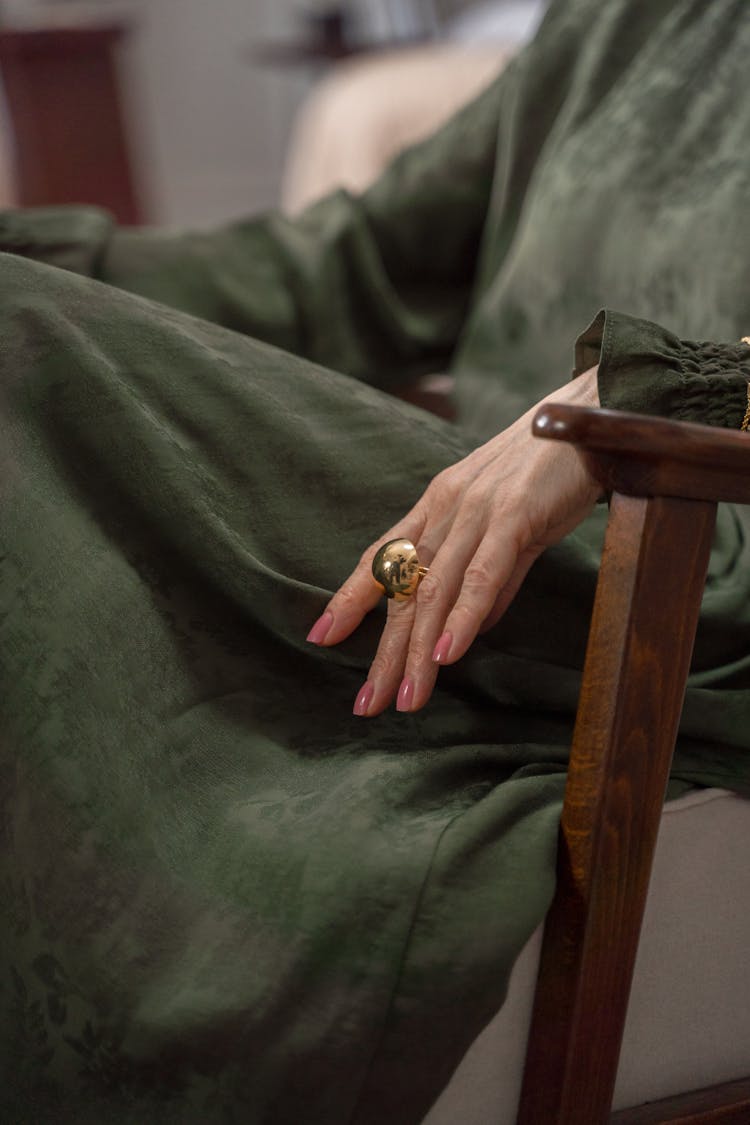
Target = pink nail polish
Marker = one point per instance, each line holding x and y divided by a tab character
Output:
443	648
405	695
364	699
320	629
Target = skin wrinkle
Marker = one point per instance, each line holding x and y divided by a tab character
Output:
487	542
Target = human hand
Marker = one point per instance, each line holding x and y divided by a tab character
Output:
479	526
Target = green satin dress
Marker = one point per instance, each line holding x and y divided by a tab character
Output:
224	897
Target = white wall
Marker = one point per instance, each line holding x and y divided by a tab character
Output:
210	128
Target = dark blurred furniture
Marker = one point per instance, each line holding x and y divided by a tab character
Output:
665	478
325	38
70	142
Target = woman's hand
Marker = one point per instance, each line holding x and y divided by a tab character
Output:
479	526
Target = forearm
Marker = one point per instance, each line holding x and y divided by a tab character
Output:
376	286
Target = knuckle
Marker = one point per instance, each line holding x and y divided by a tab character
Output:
437	482
431	591
389	660
365	560
400	615
418	653
346	594
385	666
467	613
443	487
475	490
521	531
476	494
479	575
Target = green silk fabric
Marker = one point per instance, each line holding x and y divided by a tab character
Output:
226	899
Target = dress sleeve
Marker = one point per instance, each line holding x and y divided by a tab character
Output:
648	370
376	285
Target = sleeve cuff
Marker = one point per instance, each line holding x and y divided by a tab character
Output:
71	238
648	370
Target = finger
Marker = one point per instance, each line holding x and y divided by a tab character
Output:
434	600
489	571
387	669
386	673
508	592
357	595
386	676
360	593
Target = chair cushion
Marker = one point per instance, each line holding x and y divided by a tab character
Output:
688	1022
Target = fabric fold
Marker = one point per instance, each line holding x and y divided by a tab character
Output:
646	369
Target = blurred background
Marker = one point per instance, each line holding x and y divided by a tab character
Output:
191	112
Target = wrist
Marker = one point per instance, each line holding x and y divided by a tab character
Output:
583	390
585	387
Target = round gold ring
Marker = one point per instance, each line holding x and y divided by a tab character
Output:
396	569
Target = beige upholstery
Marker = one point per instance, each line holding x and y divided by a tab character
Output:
689	1017
368	110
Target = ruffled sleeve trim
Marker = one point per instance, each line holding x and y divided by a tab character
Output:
648	370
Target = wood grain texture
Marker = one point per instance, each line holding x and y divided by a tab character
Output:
640	455
728	1104
666	479
640	644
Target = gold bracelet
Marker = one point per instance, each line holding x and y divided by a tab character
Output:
746	420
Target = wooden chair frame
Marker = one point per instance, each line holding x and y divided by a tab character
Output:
666	479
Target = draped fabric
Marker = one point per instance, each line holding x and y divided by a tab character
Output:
224	897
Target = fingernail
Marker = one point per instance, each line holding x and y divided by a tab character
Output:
442	648
364	699
320	629
405	695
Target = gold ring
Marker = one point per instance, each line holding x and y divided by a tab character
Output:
396	569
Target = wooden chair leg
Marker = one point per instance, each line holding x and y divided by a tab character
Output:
640	644
728	1104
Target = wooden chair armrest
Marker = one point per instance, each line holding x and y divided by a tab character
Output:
640	455
666	478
